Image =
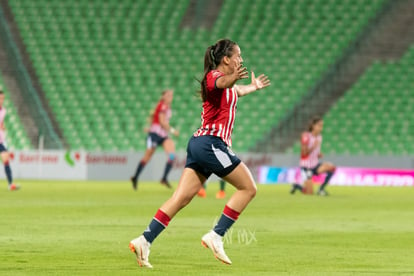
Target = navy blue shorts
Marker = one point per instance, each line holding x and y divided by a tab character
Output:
209	154
2	148
154	140
307	173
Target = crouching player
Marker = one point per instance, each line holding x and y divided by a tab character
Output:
310	163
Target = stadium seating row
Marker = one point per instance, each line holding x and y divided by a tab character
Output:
376	115
102	72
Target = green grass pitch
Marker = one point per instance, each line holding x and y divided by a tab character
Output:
83	228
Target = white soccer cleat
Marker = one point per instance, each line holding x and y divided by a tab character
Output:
214	241
141	247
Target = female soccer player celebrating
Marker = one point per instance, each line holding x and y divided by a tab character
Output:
310	164
3	150
158	135
208	151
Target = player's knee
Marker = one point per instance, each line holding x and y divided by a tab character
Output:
253	193
5	158
252	190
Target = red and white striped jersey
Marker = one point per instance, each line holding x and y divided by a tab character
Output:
312	159
155	125
219	110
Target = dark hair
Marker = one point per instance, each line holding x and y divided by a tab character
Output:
314	121
212	58
165	92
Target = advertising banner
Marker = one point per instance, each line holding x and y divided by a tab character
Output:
47	165
276	175
372	177
121	166
83	165
344	176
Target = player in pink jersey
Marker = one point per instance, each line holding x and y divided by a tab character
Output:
208	151
310	163
158	135
5	157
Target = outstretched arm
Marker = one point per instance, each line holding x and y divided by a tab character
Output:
166	125
228	81
257	83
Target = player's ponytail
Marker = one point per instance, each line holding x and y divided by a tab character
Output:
212	58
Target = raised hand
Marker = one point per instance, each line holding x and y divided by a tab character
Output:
260	82
241	72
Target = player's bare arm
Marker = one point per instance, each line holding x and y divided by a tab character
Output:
257	83
165	125
228	81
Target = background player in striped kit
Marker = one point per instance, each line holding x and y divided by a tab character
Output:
3	150
158	136
208	151
310	163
